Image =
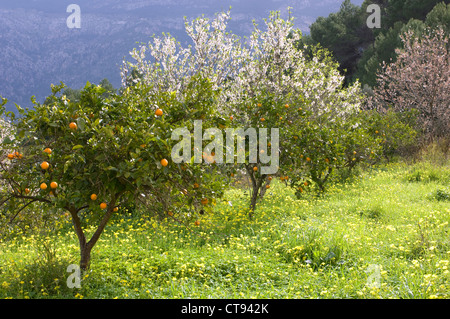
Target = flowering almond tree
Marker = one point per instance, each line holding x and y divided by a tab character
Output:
263	83
420	80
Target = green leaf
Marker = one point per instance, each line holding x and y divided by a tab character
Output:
81	123
77	147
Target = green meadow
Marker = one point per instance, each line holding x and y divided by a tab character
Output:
382	234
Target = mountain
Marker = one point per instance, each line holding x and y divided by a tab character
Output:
38	49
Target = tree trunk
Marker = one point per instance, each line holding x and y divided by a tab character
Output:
256	186
253	201
85	257
86	247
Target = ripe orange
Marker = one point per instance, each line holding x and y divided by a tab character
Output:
94	196
73	126
170	213
262	119
286	106
54	185
255	169
27	190
45	165
48	151
231	118
267	186
43	186
197	223
116	209
305	183
103	205
259	104
204	201
164	162
159	112
308	159
11	156
232	174
196	185
270	178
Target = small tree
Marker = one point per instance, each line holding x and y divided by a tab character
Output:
420	80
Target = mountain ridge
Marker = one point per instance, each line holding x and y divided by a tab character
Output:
38	48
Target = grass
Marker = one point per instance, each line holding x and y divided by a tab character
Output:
391	224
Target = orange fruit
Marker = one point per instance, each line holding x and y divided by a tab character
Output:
11	156
263	119
54	185
196	185
170	213
27	190
259	104
45	165
270	178
231	118
232	174
197	223
48	151
94	196
286	106
116	209
308	159
43	186
164	162
159	112
103	205
255	169
204	201
305	183
267	186
73	126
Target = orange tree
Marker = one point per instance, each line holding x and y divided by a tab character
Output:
322	148
93	156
